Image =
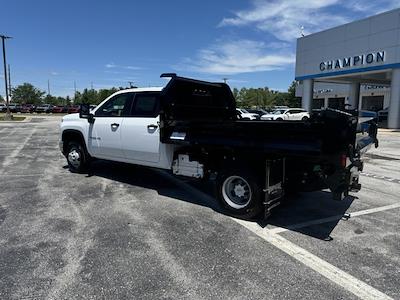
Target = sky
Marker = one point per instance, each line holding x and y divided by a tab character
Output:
103	44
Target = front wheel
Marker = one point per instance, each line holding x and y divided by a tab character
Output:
77	157
240	194
305	118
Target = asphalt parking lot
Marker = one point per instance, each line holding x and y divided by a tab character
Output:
126	232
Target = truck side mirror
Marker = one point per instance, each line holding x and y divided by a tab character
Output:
84	113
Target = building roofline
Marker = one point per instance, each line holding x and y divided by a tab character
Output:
342	25
352	71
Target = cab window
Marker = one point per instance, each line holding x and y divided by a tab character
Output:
117	106
145	105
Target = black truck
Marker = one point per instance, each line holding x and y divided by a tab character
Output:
255	162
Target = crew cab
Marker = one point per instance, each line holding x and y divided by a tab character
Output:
191	128
290	114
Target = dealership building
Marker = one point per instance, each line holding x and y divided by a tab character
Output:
356	65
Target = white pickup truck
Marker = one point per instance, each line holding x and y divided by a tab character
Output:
191	127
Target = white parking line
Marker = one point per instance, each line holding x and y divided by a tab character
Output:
336	275
390	179
21	175
10	158
334	218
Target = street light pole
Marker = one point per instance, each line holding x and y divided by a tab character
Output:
9	83
3	38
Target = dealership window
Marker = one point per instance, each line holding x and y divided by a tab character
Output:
318	103
336	103
373	103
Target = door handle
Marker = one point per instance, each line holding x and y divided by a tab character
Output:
114	125
152	127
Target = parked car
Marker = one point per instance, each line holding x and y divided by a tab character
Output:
60	109
14	107
257	111
44	108
27	108
3	107
244	114
383	114
73	109
290	114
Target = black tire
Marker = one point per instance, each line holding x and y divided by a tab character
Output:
304	118
246	202
279	119
77	157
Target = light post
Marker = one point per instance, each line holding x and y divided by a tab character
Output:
3	38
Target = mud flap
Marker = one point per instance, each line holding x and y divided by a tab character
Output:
274	184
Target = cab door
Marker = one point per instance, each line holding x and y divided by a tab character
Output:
104	140
140	135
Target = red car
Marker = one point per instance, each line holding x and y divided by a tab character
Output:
27	108
73	109
59	109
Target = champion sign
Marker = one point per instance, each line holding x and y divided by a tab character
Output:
358	60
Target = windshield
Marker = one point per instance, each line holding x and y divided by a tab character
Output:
278	112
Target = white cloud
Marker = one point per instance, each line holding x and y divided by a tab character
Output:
54	73
112	66
371	7
241	56
284	18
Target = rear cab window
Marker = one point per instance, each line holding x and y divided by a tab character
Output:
146	104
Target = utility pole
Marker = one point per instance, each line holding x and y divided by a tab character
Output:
74	91
48	87
130	84
3	39
9	82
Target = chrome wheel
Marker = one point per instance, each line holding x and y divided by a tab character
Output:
236	192
74	158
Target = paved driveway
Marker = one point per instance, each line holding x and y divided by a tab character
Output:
126	232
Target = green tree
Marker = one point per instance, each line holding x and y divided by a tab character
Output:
49	99
292	100
27	93
1	98
68	100
264	97
105	93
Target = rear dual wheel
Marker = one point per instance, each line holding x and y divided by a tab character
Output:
240	194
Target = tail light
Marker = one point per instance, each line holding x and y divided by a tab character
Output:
343	160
